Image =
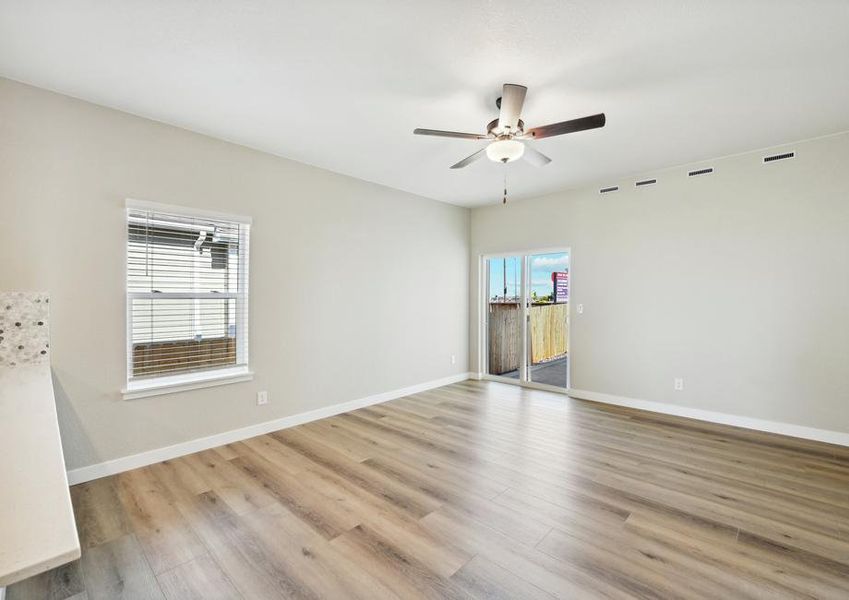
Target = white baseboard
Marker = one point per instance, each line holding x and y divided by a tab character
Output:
798	431
134	461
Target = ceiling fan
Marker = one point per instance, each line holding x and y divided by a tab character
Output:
508	135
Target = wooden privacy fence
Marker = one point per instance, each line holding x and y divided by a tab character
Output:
548	332
504	337
158	358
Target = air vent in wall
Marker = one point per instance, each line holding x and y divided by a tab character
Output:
775	157
700	172
614	188
646	182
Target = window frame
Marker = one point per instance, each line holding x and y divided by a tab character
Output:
171	383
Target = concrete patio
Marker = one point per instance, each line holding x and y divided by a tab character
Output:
552	372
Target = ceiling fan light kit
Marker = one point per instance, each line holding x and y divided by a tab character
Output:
507	135
505	150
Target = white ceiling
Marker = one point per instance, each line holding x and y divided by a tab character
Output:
342	84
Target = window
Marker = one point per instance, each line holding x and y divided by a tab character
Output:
187	298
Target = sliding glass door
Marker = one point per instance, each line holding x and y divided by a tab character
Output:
548	319
505	290
526	325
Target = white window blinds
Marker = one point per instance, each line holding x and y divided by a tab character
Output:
187	293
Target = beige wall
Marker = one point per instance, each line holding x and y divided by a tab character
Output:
356	289
737	281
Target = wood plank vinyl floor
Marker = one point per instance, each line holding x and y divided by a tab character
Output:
473	490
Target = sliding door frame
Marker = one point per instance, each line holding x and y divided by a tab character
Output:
483	322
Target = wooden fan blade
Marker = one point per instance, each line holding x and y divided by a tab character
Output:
535	157
450	134
512	100
572	126
469	159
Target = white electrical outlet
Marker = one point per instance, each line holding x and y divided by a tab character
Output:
678	384
580	309
261	398
453	359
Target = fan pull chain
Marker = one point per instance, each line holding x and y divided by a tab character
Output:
504	200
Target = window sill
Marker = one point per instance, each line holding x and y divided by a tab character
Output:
182	383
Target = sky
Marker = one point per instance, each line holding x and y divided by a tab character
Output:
542	266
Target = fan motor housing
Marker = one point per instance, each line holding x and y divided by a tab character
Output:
492	128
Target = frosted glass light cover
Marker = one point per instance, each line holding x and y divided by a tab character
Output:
505	150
